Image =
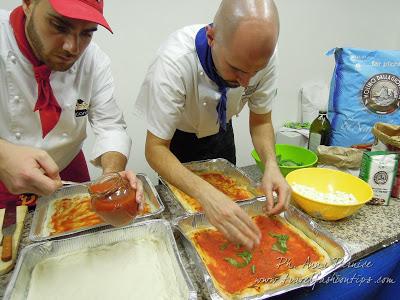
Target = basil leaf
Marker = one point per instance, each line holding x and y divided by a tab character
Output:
278	159
234	262
224	246
253	269
280	244
289	163
279	249
245	255
297	125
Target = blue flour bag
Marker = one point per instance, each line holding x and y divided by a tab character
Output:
365	89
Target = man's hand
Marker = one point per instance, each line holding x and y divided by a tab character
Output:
114	161
137	185
262	134
231	220
273	181
28	170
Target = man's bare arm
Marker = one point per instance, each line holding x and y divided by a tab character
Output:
262	134
220	210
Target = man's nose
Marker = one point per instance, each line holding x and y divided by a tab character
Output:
71	44
243	79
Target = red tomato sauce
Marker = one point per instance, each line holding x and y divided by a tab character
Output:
71	214
117	208
100	188
227	185
267	262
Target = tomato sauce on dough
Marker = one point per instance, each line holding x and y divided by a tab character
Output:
265	262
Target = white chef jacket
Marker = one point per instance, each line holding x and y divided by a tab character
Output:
177	93
89	80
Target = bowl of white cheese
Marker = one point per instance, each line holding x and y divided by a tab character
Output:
328	194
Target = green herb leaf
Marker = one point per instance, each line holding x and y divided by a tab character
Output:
280	244
233	262
278	159
253	269
297	125
286	162
289	163
224	246
245	255
278	248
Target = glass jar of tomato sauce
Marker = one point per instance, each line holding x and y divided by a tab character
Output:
113	199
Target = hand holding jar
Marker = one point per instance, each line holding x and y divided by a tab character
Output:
113	199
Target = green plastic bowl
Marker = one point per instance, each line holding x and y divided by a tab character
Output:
297	154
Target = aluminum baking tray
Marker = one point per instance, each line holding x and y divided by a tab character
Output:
337	251
159	229
218	165
40	232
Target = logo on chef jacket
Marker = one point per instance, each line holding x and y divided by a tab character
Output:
381	93
81	108
248	91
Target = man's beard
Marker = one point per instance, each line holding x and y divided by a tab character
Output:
34	39
226	83
232	84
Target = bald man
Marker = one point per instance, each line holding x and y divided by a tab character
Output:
201	77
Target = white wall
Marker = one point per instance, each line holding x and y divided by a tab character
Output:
308	29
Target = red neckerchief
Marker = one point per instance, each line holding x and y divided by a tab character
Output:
46	103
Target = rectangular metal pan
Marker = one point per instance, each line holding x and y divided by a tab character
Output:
41	218
217	165
159	230
337	251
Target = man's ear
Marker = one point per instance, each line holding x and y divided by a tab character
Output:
27	6
210	33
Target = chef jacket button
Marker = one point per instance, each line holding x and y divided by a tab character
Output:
201	73
204	103
17	99
13	59
18	135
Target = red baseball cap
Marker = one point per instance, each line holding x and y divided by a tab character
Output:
88	10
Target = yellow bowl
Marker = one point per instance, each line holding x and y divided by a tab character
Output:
325	181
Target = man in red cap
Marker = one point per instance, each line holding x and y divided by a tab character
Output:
53	79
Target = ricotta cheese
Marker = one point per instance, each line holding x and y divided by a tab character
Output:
332	197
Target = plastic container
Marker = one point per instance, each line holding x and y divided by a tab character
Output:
327	181
301	156
113	199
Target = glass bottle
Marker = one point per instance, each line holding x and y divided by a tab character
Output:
320	131
113	199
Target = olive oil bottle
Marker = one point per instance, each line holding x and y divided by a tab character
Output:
320	131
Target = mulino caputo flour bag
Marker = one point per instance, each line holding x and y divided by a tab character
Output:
365	89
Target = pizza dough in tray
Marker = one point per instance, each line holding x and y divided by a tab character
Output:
139	261
294	252
68	212
223	175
